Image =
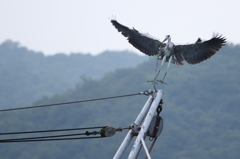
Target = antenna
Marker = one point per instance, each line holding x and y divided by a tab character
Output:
146	124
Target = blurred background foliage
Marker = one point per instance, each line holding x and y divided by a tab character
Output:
200	110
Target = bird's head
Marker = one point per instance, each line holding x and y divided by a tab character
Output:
167	37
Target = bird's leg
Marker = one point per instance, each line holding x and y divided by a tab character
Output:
156	67
163	60
156	75
170	60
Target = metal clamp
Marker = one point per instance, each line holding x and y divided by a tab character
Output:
147	92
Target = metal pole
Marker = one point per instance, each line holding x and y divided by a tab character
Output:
145	148
141	145
144	111
145	125
129	135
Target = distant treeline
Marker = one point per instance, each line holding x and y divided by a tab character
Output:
28	75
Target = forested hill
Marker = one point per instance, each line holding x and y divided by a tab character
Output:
27	75
200	111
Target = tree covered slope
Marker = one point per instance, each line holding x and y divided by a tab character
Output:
200	112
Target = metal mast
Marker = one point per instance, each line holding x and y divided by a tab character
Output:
145	124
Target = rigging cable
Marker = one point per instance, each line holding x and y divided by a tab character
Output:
53	137
43	131
34	140
81	101
106	131
41	137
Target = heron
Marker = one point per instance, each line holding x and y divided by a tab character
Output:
169	52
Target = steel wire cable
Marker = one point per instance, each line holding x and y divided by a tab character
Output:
81	101
54	139
43	131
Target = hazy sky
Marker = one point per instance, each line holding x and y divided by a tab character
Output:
54	26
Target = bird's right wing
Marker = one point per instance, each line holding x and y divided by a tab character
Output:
143	42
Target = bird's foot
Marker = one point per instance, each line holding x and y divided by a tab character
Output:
162	82
154	82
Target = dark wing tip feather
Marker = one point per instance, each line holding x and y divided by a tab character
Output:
199	40
121	28
216	42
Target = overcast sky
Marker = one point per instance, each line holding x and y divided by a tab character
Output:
66	26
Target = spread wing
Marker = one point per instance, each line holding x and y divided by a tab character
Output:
199	51
143	42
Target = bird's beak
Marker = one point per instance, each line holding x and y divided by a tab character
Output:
164	40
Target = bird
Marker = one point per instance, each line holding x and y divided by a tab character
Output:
169	52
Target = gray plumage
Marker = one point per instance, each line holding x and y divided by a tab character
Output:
191	53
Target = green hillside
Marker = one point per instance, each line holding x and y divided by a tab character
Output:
200	112
28	75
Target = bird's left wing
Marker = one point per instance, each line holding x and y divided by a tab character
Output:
199	51
143	42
